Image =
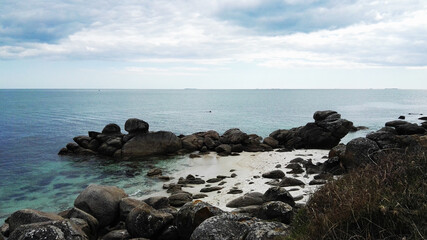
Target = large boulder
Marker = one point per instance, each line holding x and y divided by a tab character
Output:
275	174
147	222
111	128
192	142
136	126
395	123
410	129
91	221
325	133
102	202
60	230
234	136
127	205
192	214
153	143
358	152
27	216
385	138
279	194
180	198
238	226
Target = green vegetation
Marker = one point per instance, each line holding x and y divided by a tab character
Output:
387	200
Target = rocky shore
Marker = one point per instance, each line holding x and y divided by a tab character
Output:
324	133
254	196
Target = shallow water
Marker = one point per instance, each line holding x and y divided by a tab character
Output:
35	124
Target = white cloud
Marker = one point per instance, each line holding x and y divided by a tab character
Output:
381	33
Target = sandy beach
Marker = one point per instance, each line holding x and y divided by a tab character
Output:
248	168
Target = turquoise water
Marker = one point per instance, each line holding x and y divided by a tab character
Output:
35	124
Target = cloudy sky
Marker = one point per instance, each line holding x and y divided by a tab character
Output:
213	44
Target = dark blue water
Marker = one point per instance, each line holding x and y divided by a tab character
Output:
35	124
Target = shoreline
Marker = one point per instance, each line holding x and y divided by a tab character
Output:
249	168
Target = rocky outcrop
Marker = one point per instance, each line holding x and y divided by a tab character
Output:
192	214
154	143
144	221
326	132
238	226
102	202
27	216
64	230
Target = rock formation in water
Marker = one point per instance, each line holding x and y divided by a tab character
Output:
324	133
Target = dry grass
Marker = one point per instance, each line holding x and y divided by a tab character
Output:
387	200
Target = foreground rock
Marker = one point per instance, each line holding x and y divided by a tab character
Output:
238	226
325	133
64	229
102	202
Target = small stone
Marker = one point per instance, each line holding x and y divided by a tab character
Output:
154	172
234	191
317	182
278	166
233	175
210	189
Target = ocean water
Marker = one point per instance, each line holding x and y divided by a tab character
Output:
36	124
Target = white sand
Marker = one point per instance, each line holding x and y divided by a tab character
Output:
246	166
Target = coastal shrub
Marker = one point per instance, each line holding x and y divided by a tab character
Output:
386	200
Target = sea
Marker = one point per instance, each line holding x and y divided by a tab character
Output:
36	124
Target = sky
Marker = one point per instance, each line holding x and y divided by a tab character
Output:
216	44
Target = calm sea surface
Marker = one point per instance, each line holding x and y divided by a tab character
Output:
35	124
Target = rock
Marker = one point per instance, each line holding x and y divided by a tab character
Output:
115	142
293	166
190	179
211	189
64	151
274	174
214	180
27	216
61	230
117	235
102	202
136	126
333	166
153	143
145	221
317	182
238	226
94	145
234	136
253	198
224	149
107	150
358	128
199	195
191	215
278	166
128	204
288	182
277	211
72	146
358	151
157	202
278	194
324	176
274	182
5	230
337	151
271	142
82	141
410	129
192	142
154	172
385	138
89	219
322	115
233	175
174	188
93	134
237	148
424	125
179	199
234	191
111	128
298	160
395	123
170	233
401	117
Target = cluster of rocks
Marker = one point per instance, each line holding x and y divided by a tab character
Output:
324	133
107	213
397	135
